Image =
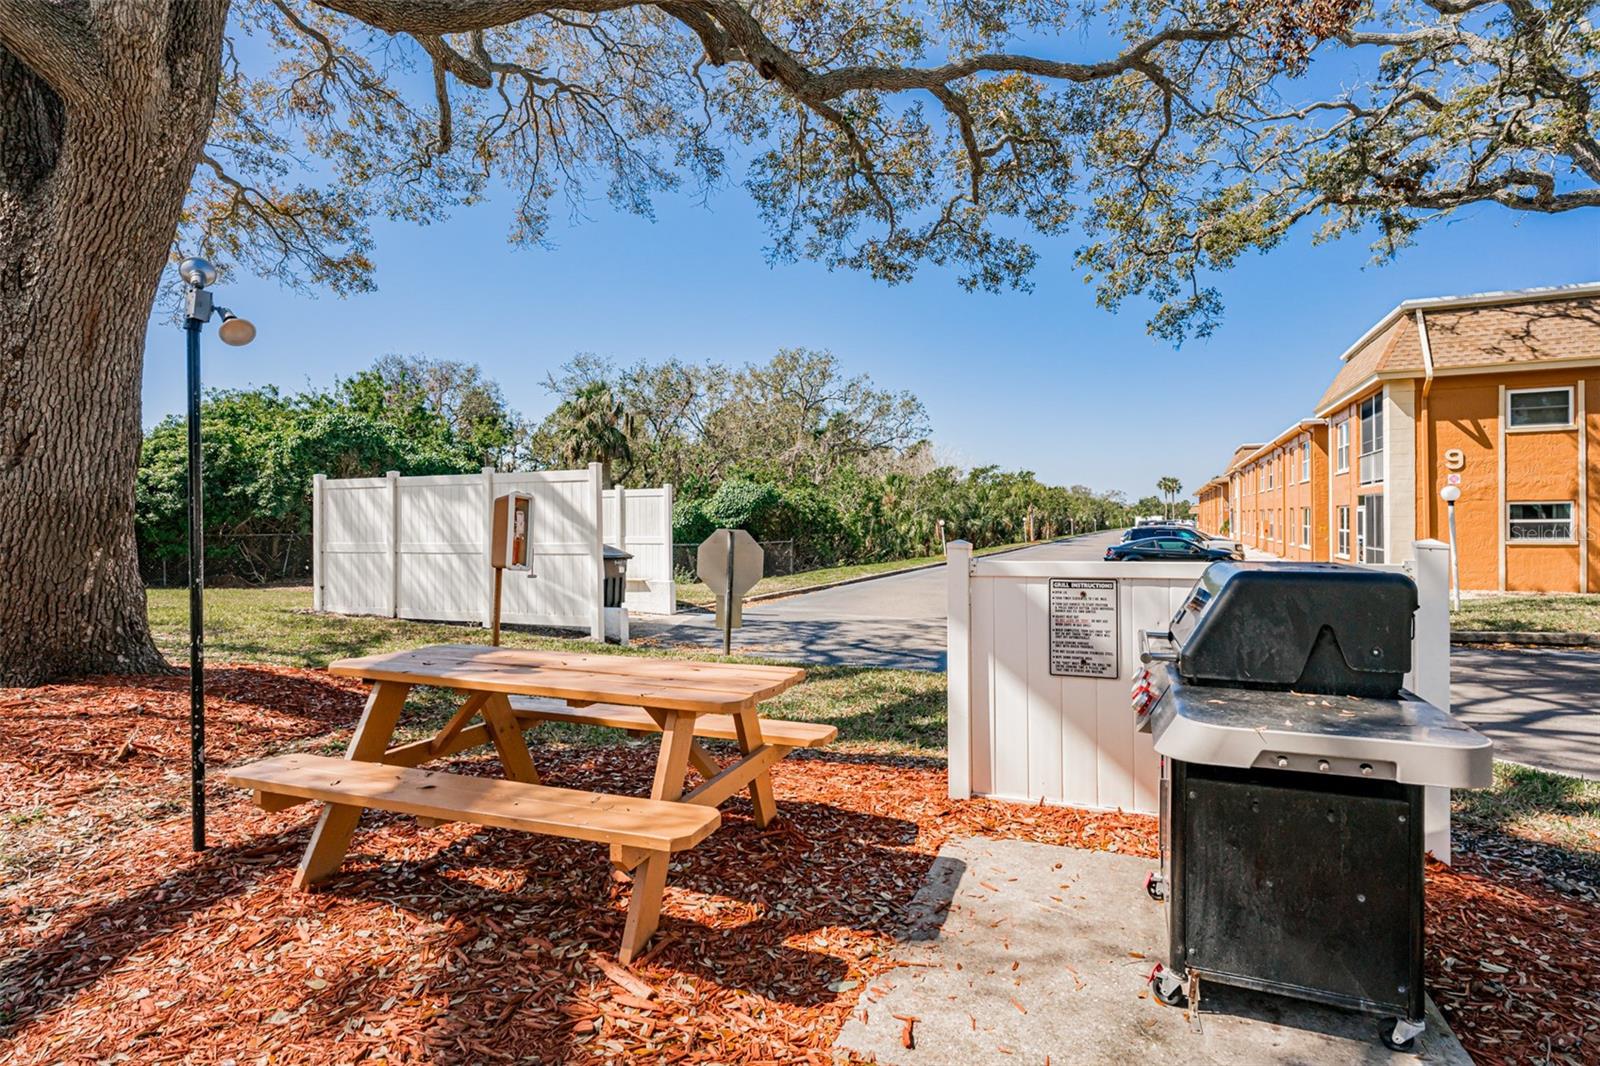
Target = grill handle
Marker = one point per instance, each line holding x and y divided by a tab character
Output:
1148	654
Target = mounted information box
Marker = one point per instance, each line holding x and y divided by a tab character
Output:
508	550
513	517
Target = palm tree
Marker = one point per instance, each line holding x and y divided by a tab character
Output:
1169	487
593	427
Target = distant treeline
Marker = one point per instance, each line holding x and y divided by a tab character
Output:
792	449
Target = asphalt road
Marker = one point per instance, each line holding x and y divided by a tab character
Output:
1540	706
895	621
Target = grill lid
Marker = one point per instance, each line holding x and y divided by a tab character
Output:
1313	627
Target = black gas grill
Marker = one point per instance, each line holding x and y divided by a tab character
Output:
1293	766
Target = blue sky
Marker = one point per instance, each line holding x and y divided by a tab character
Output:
1044	380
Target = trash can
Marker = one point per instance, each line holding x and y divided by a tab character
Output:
616	588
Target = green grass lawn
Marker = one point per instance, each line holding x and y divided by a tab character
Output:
696	594
1549	613
1532	805
899	712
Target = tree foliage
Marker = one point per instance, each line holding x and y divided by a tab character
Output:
261	449
888	135
797	449
798	417
593	426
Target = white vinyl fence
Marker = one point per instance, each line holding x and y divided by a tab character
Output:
418	547
643	526
1017	732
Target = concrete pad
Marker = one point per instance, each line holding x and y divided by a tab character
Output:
1023	953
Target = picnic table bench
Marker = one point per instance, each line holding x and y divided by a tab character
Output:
508	690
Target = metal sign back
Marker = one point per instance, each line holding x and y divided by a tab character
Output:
729	562
711	562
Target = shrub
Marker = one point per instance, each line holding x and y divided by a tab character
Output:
740	504
689	522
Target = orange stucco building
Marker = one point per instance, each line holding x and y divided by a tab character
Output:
1493	394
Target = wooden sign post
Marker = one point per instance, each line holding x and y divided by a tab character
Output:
513	521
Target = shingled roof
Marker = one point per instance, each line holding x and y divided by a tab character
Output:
1490	330
1241	451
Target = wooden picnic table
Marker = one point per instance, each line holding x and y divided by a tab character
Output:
506	690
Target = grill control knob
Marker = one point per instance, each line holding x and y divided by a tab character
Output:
1366	769
1283	762
1322	764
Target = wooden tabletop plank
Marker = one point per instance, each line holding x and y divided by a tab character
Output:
634	665
669	684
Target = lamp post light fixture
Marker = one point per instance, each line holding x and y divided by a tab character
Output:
1450	494
198	310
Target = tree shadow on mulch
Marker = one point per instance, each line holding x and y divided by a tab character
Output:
97	938
507	924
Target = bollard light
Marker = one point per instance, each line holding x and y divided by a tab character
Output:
198	307
1450	494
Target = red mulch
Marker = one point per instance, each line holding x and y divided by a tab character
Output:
462	944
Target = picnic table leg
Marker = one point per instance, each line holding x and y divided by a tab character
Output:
702	761
644	908
677	738
331	838
506	733
699	757
748	726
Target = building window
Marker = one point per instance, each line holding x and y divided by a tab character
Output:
1305	527
1539	521
1344	531
1369	517
1305	461
1539	409
1372	439
1341	452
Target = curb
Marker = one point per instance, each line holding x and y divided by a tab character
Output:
782	594
1530	639
803	589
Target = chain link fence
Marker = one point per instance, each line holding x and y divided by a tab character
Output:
233	558
777	557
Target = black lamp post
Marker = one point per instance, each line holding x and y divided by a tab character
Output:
196	275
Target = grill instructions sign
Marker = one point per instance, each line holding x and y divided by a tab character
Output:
1083	628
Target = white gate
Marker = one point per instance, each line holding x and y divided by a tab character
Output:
643	528
418	547
1017	732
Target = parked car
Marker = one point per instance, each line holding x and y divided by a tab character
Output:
1146	532
1166	548
1139	533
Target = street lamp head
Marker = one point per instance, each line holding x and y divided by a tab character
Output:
197	272
235	330
1450	493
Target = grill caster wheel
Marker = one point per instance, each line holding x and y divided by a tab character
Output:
1155	886
1398	1034
1166	988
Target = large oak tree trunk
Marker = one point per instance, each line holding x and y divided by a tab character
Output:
89	200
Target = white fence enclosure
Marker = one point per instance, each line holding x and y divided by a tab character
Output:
1018	732
418	547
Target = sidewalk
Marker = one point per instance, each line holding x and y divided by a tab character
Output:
1029	953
